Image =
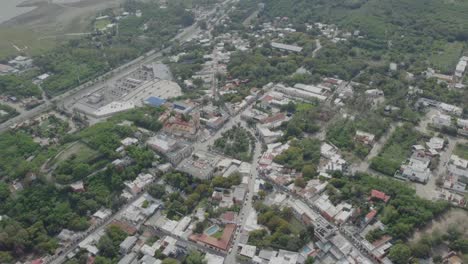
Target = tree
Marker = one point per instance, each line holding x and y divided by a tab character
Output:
195	257
102	260
199	227
400	254
5	257
170	261
310	260
421	250
300	182
4	191
106	247
157	190
309	171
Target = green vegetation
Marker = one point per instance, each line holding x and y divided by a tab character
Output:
175	204
400	254
10	113
105	137
382	20
22	37
236	143
19	86
145	117
342	133
403	214
305	120
227	182
415	34
81	60
461	150
40	211
101	24
302	155
281	234
264	64
454	238
16	148
108	244
447	56
396	150
79	164
195	257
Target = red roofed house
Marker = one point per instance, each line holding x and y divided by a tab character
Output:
370	216
37	261
379	195
274	121
221	244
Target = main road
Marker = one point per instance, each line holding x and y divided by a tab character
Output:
71	96
247	207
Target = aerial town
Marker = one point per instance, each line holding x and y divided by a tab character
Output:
245	137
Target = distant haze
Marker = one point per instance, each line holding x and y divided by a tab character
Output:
9	9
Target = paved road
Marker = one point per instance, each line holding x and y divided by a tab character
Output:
356	242
61	258
317	48
73	95
247	207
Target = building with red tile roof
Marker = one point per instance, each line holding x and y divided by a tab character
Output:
221	244
370	216
379	195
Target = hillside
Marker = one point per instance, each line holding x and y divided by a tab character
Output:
438	19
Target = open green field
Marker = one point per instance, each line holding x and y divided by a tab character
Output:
101	24
79	150
396	150
461	150
26	40
296	226
446	56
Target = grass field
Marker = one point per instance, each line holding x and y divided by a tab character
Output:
25	39
101	24
461	150
296	225
446	56
82	153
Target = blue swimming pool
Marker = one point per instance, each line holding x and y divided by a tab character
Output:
212	230
306	250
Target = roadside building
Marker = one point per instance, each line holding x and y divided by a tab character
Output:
219	244
441	120
286	47
127	244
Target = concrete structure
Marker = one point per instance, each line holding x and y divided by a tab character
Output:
440	120
417	168
267	135
127	244
221	244
286	47
201	165
299	93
